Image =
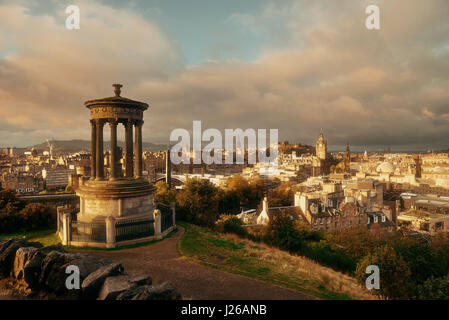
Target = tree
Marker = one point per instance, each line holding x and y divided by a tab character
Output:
243	191
198	202
283	195
434	289
36	215
394	273
281	232
164	194
7	196
230	224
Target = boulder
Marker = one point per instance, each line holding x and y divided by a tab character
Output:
56	247
23	255
28	264
53	275
114	286
87	264
8	253
135	293
53	261
164	291
93	282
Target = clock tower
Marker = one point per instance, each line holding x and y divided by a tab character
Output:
321	147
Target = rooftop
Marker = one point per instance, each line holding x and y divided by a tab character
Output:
421	214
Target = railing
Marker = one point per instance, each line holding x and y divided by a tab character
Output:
111	231
134	228
88	231
166	217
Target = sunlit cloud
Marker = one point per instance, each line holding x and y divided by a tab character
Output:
323	70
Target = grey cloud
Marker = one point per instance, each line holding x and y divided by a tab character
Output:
369	88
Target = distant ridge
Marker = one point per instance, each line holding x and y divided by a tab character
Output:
67	146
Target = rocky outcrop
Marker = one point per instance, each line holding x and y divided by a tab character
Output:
27	267
113	286
92	284
41	271
8	251
164	291
28	263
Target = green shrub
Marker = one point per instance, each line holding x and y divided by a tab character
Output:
230	224
281	232
395	280
329	255
434	289
32	216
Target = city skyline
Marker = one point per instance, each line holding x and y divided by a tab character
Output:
299	67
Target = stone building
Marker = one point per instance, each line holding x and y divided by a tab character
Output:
423	221
334	214
56	178
333	205
21	182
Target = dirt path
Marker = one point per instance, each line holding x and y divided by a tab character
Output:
162	262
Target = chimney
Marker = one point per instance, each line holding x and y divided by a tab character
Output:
265	205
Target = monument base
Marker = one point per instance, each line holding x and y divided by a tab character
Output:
121	198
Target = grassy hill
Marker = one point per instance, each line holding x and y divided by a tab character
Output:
233	254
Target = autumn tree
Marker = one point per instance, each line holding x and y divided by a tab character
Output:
7	196
283	195
164	194
198	202
395	278
281	232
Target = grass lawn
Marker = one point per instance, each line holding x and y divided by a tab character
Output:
47	237
256	260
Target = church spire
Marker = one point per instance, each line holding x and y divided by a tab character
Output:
347	160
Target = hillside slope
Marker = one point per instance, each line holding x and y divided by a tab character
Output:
233	254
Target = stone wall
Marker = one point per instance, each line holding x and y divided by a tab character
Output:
40	272
122	207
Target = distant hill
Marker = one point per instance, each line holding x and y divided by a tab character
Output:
68	146
300	148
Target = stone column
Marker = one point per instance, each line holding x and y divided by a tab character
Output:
113	161
93	150
157	223
66	229
110	232
100	155
138	137
129	168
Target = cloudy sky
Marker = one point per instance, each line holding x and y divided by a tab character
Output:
295	65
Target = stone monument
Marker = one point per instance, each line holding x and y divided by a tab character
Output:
116	194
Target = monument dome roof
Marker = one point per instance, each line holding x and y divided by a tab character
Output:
438	169
385	167
116	101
